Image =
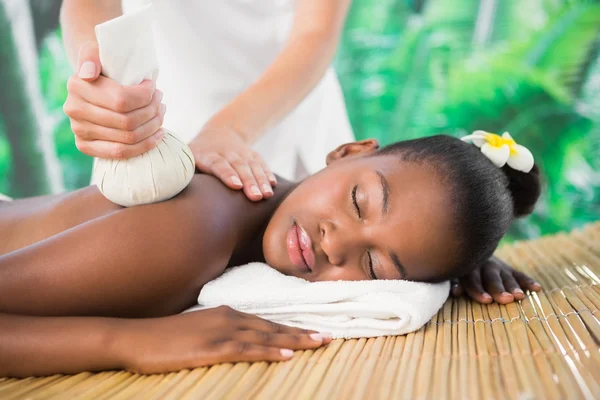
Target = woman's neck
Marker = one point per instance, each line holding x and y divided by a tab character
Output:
249	249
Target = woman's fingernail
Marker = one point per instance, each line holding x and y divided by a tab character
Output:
537	285
87	70
160	134
160	95
317	337
236	181
267	189
518	291
254	190
163	109
287	353
486	296
505	294
326	335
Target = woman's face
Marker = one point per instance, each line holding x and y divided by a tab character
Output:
363	218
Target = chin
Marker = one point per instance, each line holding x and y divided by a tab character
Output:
274	245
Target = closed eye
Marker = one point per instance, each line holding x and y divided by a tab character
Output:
355	202
371	270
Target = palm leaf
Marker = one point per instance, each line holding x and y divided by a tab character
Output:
566	47
422	62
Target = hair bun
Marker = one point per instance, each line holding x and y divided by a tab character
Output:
525	189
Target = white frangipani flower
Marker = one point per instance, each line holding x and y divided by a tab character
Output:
502	150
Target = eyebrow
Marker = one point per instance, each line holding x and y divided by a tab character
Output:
385	187
398	265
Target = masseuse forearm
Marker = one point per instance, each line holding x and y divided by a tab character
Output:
78	19
294	73
50	345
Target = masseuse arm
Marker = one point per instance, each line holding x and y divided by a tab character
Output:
222	147
109	120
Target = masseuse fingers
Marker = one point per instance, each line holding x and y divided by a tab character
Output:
283	340
107	93
261	178
117	151
80	110
474	288
495	286
247	177
234	351
267	170
218	166
124	121
90	131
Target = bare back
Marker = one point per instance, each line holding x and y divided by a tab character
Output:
79	254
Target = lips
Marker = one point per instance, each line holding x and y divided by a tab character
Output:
299	247
306	246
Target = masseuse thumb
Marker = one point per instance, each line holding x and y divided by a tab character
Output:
89	62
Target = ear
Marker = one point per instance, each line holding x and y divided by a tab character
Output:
363	147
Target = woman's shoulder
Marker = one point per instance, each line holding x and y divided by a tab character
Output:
210	191
207	191
208	199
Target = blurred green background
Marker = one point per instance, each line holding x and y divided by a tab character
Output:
409	68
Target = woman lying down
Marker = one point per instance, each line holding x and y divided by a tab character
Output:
86	285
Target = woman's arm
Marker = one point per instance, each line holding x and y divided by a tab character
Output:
49	345
141	261
67	345
222	147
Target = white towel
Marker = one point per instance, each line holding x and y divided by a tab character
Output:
4	197
346	309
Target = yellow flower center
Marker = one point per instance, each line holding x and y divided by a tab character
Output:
498	141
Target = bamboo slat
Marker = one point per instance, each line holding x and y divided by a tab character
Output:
544	347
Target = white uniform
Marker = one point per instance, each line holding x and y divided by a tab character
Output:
210	51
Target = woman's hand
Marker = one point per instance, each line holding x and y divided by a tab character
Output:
223	153
494	280
110	120
207	337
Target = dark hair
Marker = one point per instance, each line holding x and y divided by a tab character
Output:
485	198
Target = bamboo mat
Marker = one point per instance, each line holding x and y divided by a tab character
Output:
545	347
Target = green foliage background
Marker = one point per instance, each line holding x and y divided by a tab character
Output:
411	68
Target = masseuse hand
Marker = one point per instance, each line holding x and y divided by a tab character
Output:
110	120
206	337
495	280
222	152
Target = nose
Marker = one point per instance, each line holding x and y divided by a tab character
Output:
337	243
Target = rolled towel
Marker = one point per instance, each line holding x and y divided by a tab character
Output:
128	56
346	309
